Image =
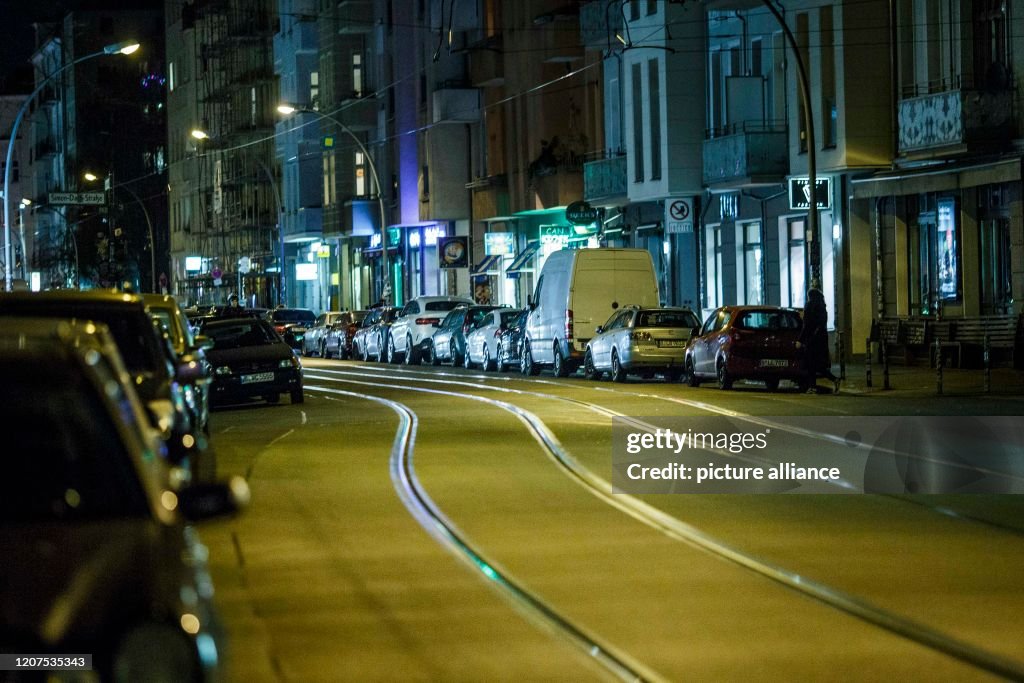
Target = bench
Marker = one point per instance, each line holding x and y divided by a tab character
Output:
1002	332
904	338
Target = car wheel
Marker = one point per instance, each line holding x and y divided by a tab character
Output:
691	374
724	378
618	372
392	354
558	364
589	371
771	384
526	364
467	362
488	363
411	357
298	396
366	354
500	360
430	355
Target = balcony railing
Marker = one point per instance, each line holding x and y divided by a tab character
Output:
605	179
746	153
958	116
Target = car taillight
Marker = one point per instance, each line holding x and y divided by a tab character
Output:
497	333
568	324
427	321
279	328
640	336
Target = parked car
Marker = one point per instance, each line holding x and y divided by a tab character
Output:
188	348
448	343
510	342
415	325
483	339
147	352
91	522
313	340
337	342
292	323
250	359
747	342
370	339
641	340
577	290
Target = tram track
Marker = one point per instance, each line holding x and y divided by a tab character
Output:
677	529
424	510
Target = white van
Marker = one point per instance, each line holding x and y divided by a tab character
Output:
578	290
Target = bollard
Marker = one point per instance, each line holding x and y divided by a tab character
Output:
938	367
988	366
867	364
885	366
842	355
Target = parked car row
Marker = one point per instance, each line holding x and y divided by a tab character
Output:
109	469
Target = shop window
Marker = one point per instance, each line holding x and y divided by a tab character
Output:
752	257
713	265
948	265
795	266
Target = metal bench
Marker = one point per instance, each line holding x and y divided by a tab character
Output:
903	338
1002	333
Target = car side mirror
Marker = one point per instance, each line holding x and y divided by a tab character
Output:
599	329
190	371
202	501
694	331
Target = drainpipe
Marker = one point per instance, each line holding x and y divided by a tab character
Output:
879	293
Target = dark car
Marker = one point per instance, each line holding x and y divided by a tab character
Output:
145	347
370	339
292	323
510	342
448	343
188	348
747	342
249	359
100	556
337	341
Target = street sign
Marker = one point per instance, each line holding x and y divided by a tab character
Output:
581	213
800	192
244	265
77	198
678	216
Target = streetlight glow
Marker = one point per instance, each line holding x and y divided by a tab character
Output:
125	47
199	134
91	177
285	109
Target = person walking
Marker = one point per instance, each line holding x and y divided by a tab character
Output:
814	342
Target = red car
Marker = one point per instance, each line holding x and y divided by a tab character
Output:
747	342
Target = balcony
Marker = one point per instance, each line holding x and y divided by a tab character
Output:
303	225
605	180
355	17
955	118
456	105
746	154
599	22
487	63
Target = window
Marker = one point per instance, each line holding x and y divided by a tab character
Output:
652	7
829	112
314	88
360	174
171	77
638	126
654	114
796	263
634	10
752	258
713	265
947	266
990	47
357	74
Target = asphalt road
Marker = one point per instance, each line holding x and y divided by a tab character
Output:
450	525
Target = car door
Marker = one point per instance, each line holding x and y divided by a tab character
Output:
701	348
601	344
401	326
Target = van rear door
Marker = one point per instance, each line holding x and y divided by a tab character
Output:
604	281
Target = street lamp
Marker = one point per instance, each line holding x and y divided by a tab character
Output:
126	47
288	110
92	177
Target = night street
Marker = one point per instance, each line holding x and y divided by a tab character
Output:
337	571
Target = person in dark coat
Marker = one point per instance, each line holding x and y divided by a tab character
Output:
814	341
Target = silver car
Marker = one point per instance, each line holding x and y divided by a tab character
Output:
640	340
483	341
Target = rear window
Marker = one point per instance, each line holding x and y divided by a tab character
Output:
684	319
231	334
507	317
389	315
293	315
442	305
768	320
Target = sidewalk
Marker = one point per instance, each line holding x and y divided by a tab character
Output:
923	381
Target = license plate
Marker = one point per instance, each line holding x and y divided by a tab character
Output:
258	377
671	343
774	363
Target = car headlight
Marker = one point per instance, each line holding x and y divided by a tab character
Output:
292	362
222	370
156	652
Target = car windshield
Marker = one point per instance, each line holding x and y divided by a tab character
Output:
389	315
442	305
768	320
358	316
507	317
231	334
70	460
685	319
293	315
173	327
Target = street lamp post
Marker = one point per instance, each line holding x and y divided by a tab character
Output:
287	110
149	224
125	48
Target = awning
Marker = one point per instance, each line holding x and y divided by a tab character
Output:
937	178
487	266
519	262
